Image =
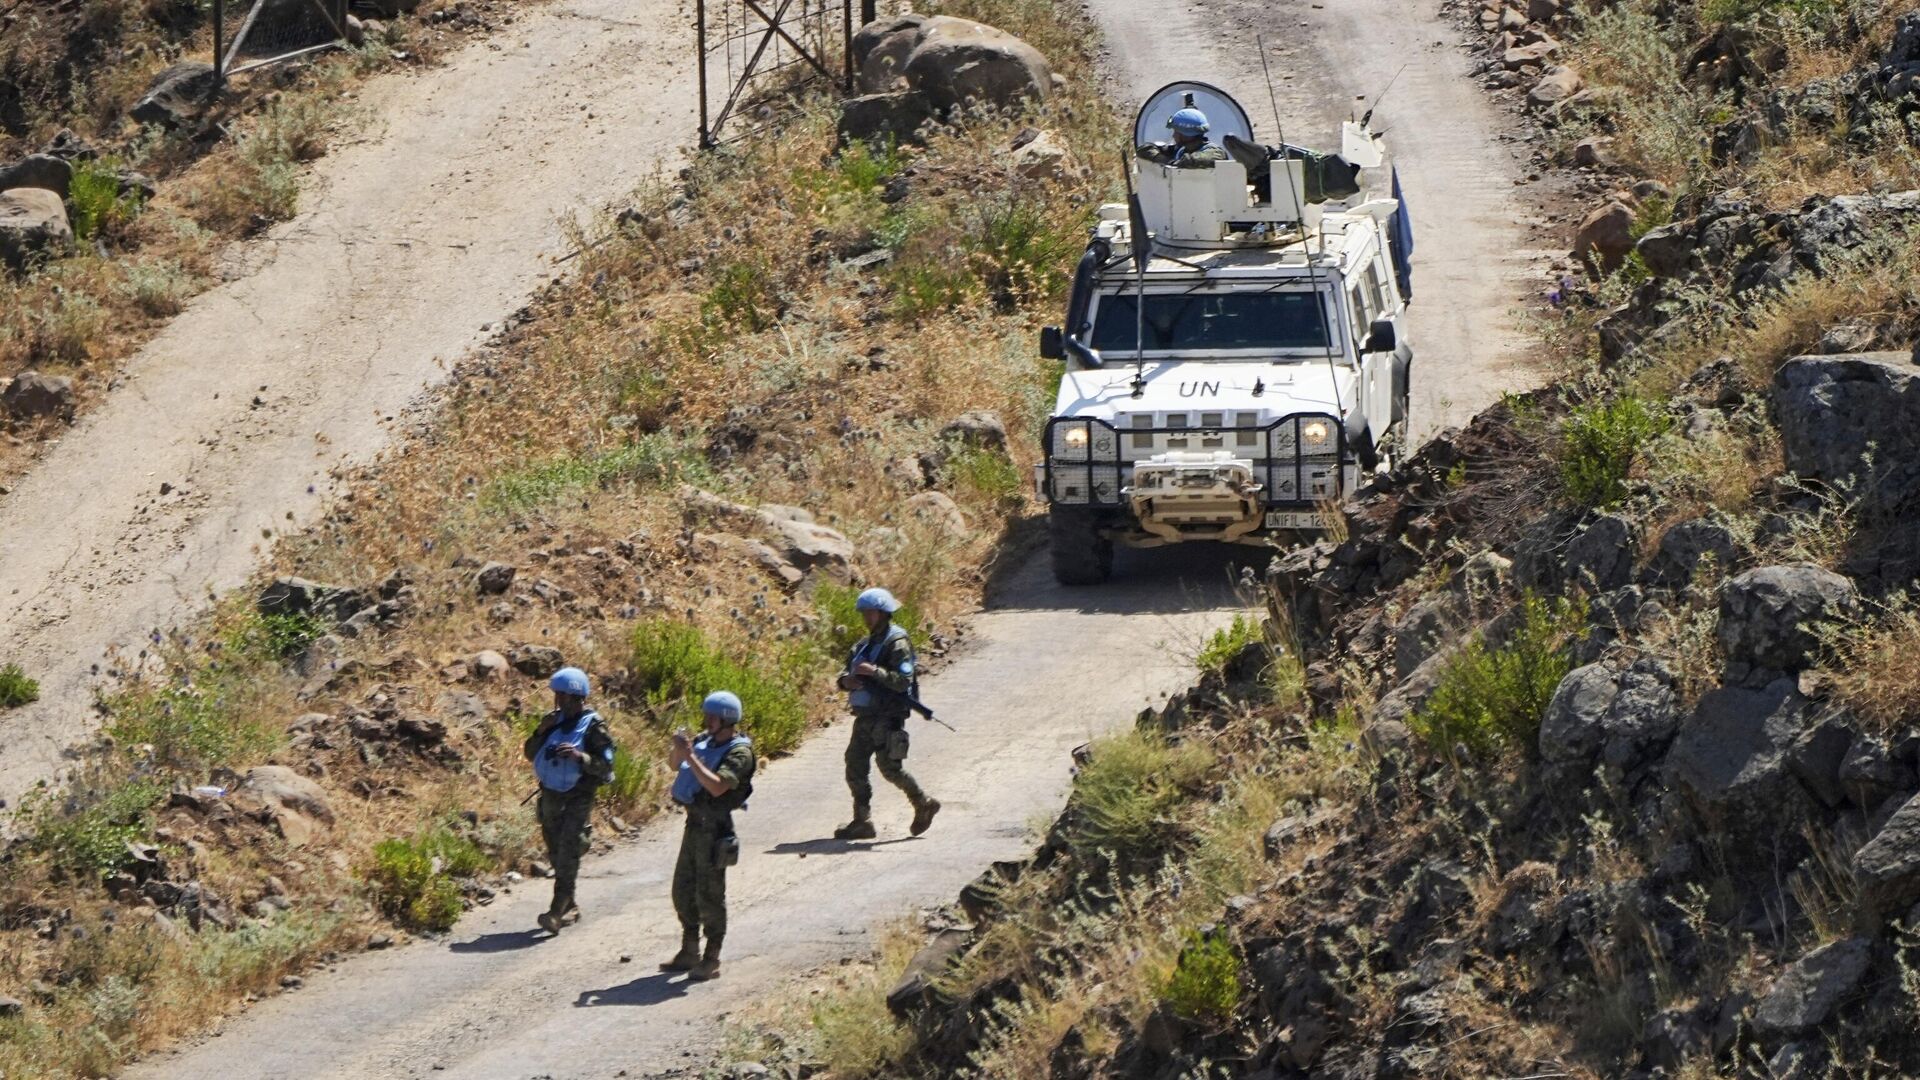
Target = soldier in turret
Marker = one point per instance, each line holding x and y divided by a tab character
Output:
1190	148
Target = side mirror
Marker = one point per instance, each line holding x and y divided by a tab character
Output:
1053	343
1380	337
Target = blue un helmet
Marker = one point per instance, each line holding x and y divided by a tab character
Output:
569	680
724	704
877	600
1189	122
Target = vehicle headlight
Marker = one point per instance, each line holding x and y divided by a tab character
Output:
1316	434
1076	438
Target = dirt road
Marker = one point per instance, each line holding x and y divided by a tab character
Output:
1473	263
1044	670
438	222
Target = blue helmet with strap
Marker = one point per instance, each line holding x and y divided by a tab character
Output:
1188	121
877	600
569	680
723	704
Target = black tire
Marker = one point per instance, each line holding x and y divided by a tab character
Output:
1081	556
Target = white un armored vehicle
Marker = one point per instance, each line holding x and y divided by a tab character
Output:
1266	368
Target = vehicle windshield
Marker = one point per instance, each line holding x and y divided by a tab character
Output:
1211	320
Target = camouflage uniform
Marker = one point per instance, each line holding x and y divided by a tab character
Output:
566	816
1171	154
880	729
700	875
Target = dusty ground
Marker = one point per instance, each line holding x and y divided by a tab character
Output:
498	999
436	224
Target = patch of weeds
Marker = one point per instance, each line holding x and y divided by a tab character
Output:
199	721
1023	251
414	879
651	460
98	206
992	477
1130	785
922	290
157	288
632	784
16	689
279	636
741	301
1206	982
1598	445
88	834
1227	643
1491	699
677	666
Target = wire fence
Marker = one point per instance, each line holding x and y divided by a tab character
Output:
249	34
756	55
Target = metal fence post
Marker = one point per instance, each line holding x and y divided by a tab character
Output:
869	11
219	43
700	57
846	45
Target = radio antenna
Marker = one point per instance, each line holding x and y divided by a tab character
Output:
1366	119
1140	243
1300	215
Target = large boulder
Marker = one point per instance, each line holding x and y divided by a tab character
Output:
896	116
1768	618
38	171
1691	546
1600	556
1627	717
950	62
1559	83
1806	994
1605	237
31	395
33	224
1886	870
294	804
1852	423
1730	760
178	96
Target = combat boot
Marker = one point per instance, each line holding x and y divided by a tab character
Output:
709	965
923	815
858	829
687	957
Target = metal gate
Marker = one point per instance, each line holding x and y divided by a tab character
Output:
755	54
249	34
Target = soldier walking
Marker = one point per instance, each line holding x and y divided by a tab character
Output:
880	680
572	756
713	776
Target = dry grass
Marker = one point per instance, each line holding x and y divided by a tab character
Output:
1874	668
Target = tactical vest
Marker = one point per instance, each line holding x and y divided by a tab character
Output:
562	774
686	786
866	698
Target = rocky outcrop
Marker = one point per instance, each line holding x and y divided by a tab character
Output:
1852	425
1807	993
1730	760
1624	717
1605	237
1887	869
1769	618
179	96
45	171
31	396
946	63
293	804
33	225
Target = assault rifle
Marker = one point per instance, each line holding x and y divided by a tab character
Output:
911	701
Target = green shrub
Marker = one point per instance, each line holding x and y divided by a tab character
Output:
1227	642
1598	445
278	636
677	666
632	784
1129	786
649	460
94	194
90	831
196	723
1205	984
414	879
742	300
991	476
157	288
15	688
1492	699
1025	254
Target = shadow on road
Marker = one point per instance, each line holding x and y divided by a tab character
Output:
1167	580
645	990
506	941
827	845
